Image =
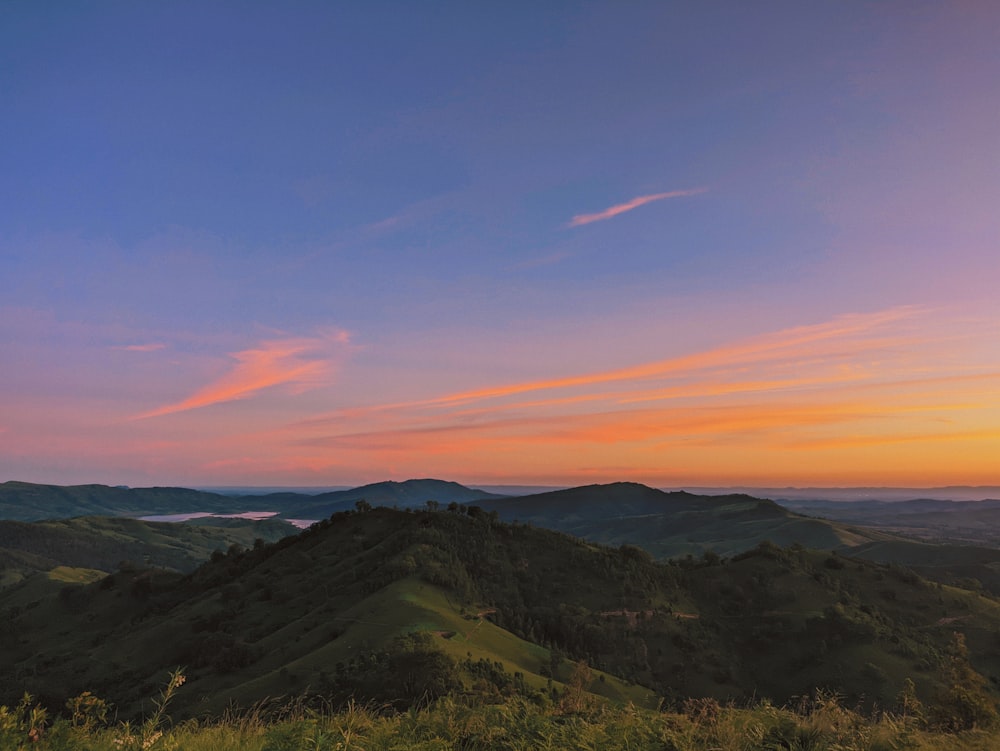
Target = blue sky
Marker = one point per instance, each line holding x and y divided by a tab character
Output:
221	222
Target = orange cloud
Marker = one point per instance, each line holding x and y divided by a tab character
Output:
621	208
298	362
798	342
606	427
855	397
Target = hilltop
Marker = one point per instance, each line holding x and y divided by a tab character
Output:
677	523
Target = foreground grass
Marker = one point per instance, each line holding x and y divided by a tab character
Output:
821	724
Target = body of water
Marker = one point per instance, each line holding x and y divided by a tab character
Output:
251	515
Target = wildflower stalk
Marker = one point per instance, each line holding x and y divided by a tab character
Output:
147	734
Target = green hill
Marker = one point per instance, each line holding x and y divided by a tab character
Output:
104	543
23	501
407	494
963	522
392	605
673	524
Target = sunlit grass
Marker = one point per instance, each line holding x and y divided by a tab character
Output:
822	723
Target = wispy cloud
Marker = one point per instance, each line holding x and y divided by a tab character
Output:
150	347
859	394
853	332
599	407
622	208
299	363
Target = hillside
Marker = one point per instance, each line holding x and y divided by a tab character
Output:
104	543
23	501
495	605
677	524
964	522
407	494
673	524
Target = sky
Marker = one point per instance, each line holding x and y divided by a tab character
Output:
678	243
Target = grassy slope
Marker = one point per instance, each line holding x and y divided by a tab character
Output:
102	543
823	725
270	622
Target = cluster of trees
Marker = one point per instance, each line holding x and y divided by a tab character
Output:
695	626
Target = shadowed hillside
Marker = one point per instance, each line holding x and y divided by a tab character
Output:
23	501
492	604
964	522
671	524
104	543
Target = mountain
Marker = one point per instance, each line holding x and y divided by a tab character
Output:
25	501
678	523
22	501
671	524
394	605
407	494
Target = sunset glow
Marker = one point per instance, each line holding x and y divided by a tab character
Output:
326	245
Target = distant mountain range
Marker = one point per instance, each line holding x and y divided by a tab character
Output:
944	493
22	501
966	535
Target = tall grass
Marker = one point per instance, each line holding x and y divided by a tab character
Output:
821	723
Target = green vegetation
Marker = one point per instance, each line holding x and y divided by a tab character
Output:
25	501
820	723
674	524
103	544
500	609
961	522
444	628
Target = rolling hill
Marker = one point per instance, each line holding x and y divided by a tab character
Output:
673	524
22	501
494	605
25	501
407	494
106	543
677	524
964	522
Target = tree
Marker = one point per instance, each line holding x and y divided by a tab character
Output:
362	506
577	697
965	704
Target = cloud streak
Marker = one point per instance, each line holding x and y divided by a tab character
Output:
860	394
852	332
581	219
299	363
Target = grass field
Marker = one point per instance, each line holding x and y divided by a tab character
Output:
821	724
